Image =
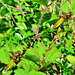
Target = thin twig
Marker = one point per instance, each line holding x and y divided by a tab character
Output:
60	7
34	30
39	25
41	19
54	6
10	13
69	5
11	7
20	14
44	58
23	13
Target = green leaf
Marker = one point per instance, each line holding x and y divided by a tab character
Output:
19	18
8	73
43	2
65	6
17	72
72	6
26	34
18	36
8	31
69	43
36	73
32	58
29	65
52	55
37	52
2	35
18	48
22	26
29	33
4	56
71	58
20	72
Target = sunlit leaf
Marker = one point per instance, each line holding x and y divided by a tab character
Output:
52	55
71	58
4	56
43	2
36	73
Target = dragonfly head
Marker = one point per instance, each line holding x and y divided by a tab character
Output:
67	15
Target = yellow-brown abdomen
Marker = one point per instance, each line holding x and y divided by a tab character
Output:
58	23
9	65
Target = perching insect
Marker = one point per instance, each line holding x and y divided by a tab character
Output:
9	65
13	59
62	19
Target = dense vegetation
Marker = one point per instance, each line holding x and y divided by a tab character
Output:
27	37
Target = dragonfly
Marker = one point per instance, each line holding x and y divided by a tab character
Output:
62	19
13	59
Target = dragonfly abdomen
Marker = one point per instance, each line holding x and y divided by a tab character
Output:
60	21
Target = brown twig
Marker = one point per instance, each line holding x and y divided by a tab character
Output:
23	13
46	71
39	25
34	30
54	6
11	7
44	58
20	14
41	19
10	13
60	7
69	5
73	36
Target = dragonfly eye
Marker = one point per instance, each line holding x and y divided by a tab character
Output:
66	17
